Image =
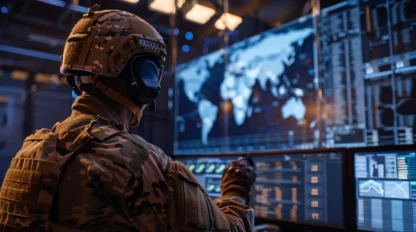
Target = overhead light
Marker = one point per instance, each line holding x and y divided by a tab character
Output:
180	3
228	21
165	6
131	1
199	12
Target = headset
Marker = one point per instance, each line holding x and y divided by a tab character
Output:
143	78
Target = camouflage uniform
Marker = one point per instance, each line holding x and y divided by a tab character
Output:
127	184
90	173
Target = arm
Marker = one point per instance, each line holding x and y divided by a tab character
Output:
191	208
236	183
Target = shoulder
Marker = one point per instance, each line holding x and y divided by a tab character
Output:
130	150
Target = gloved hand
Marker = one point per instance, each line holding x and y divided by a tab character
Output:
238	178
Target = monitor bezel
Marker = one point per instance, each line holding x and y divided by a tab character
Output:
351	181
214	156
304	224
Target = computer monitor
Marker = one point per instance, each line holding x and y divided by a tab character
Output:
300	187
208	170
385	189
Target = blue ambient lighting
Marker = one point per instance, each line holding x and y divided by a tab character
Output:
189	35
62	4
74	95
185	48
4	10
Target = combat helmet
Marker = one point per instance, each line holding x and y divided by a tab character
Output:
102	43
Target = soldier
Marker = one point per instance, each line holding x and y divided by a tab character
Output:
90	173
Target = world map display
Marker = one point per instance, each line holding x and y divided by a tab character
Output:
260	93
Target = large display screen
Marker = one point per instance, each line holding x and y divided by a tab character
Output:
280	90
264	97
385	184
303	187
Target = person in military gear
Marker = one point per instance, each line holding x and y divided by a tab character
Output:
90	173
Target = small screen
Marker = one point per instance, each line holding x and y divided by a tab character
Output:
385	184
208	171
304	187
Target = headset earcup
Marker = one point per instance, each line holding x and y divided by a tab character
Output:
145	73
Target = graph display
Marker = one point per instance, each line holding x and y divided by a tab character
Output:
208	171
305	187
371	188
386	190
397	189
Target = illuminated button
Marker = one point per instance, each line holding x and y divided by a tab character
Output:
211	168
210	187
191	167
220	168
200	168
315	216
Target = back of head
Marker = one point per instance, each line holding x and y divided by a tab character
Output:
100	50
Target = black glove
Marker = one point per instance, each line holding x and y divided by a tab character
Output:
238	178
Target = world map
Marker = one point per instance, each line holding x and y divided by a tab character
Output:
265	74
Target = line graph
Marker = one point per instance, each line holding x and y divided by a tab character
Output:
371	188
397	189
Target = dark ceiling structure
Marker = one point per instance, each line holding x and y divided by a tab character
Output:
33	32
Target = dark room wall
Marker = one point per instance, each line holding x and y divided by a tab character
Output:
27	105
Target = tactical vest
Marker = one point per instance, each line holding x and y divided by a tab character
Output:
31	183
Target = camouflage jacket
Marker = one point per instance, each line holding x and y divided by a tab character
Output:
127	184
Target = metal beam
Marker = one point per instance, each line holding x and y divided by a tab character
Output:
28	52
16	32
63	16
63	4
41	22
28	65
